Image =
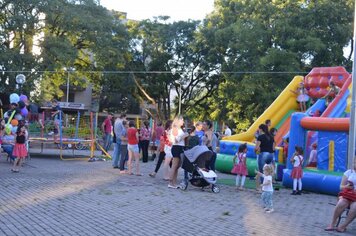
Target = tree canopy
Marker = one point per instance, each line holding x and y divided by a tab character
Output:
230	66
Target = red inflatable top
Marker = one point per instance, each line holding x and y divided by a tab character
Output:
317	81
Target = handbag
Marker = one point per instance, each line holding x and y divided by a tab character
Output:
348	194
235	169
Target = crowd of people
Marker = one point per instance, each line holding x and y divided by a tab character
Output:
168	143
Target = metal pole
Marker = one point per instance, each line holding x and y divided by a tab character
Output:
67	86
180	99
352	132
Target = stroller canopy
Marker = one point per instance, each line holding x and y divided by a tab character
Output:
197	151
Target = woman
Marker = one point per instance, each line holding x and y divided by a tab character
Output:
177	138
265	147
347	198
210	140
145	135
132	147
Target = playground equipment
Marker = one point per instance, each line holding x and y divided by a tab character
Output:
77	135
330	131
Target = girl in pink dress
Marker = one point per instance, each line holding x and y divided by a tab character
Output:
240	166
297	171
20	150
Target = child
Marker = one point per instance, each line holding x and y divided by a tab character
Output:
302	98
193	139
132	147
267	188
313	156
297	172
163	141
241	168
20	150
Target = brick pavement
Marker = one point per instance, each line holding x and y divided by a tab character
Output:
54	197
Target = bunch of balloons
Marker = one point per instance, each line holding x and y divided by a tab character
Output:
17	112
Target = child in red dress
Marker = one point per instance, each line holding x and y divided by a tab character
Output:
241	168
297	171
20	150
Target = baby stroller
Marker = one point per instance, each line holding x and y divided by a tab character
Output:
194	164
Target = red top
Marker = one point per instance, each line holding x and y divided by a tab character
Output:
131	136
166	139
107	126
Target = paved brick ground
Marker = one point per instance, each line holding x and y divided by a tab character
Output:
54	197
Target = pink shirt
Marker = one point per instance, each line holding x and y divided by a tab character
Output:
145	133
107	126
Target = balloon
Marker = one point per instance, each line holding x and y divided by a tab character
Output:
21	104
23	98
14	98
14	122
8	128
24	111
18	117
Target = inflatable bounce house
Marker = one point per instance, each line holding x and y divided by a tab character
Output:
329	130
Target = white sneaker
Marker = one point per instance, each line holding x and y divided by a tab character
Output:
172	186
270	210
51	133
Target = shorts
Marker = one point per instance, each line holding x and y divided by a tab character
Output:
177	150
168	151
133	148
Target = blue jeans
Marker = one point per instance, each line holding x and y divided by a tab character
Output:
267	199
116	154
8	149
107	142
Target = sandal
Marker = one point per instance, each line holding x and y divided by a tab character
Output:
329	228
340	230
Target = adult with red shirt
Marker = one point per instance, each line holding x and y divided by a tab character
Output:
132	147
106	127
145	135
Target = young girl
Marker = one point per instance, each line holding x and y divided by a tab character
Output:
297	172
267	188
163	141
303	97
241	168
132	147
20	151
167	150
313	156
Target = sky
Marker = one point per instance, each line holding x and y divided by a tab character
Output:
176	9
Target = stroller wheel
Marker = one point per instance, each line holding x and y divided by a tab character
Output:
215	189
184	185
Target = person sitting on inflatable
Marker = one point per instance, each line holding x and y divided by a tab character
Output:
347	198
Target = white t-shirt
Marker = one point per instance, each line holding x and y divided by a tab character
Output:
351	176
269	187
178	140
227	132
296	160
312	156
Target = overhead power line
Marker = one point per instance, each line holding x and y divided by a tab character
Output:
158	72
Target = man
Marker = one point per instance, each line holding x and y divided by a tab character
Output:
199	131
118	130
106	127
227	131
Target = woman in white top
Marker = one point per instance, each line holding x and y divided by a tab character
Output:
348	185
177	138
